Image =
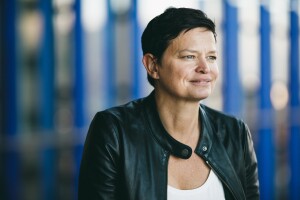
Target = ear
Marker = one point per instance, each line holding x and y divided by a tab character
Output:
151	65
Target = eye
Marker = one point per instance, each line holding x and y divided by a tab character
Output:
211	58
189	57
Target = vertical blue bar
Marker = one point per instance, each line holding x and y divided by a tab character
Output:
11	156
2	102
265	142
110	58
232	91
2	77
47	67
137	86
294	140
47	101
79	72
79	96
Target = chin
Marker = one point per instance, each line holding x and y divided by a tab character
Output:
203	95
198	98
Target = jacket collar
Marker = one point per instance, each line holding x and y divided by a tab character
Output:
175	147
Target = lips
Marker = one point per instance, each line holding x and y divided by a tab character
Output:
202	81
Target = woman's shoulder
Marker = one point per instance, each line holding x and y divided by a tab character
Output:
109	122
122	111
221	118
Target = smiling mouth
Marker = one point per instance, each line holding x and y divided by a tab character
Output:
201	82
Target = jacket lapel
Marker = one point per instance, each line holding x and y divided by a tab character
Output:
218	158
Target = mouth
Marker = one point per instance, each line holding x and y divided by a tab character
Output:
200	82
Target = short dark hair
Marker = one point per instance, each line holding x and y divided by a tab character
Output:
167	26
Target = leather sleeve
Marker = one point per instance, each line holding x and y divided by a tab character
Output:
99	172
252	183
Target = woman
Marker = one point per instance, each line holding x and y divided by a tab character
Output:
167	145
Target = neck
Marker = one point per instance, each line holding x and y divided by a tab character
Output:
180	118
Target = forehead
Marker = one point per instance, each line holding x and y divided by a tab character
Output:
194	38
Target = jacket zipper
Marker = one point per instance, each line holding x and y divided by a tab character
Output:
217	172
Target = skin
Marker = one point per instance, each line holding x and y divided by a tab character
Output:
189	69
186	75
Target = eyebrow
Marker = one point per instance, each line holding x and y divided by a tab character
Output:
194	51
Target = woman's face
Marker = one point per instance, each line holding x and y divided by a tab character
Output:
188	68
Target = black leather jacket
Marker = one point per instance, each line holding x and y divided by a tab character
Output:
127	149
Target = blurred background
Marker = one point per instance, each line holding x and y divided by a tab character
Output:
61	61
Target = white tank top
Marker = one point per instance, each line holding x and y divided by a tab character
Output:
212	189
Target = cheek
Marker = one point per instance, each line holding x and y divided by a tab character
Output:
215	71
177	73
169	75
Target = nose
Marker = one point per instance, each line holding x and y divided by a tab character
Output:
202	66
